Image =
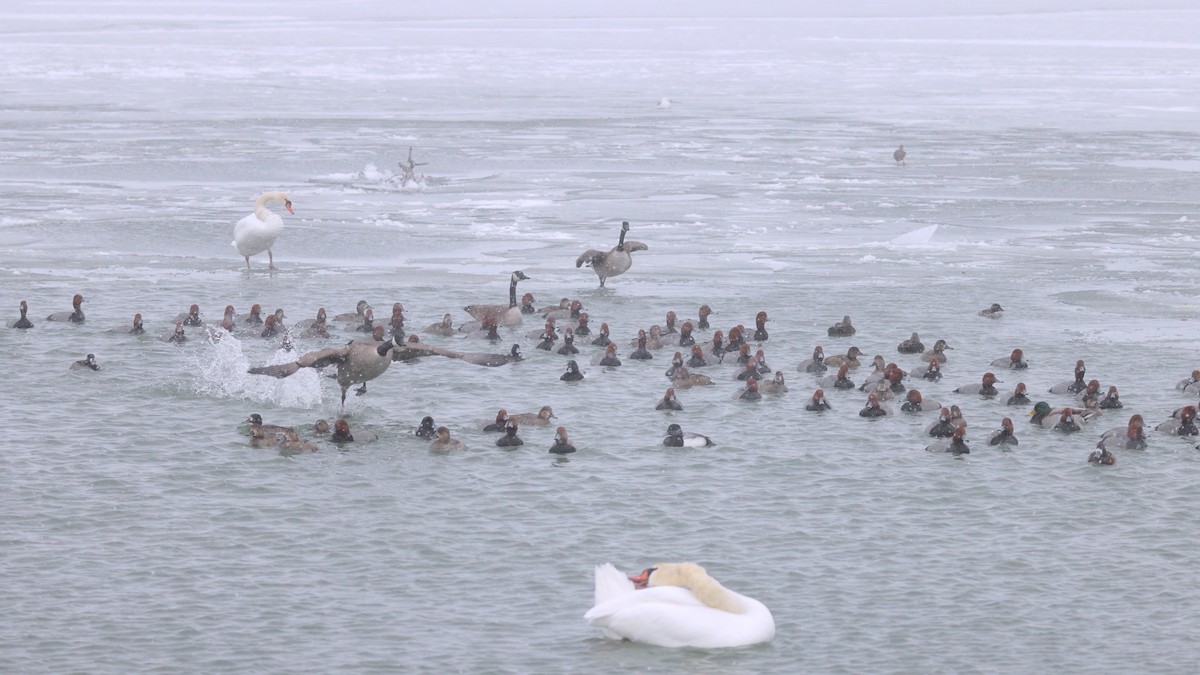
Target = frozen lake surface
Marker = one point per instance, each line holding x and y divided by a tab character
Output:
1052	167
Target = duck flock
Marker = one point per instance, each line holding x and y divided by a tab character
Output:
701	352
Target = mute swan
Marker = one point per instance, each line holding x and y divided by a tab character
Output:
611	263
676	605
258	231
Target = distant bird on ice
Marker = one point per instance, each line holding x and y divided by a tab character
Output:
898	155
664	103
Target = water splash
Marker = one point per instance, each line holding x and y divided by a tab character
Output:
220	367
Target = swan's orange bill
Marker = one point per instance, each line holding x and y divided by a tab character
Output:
643	579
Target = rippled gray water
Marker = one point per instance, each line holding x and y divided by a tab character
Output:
1057	155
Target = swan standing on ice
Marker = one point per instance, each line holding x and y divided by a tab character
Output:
258	231
676	605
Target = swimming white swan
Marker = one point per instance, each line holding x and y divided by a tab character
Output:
258	231
676	605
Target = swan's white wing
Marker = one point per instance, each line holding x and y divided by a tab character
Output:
611	583
604	612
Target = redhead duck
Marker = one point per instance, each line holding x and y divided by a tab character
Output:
137	328
443	442
1190	384
341	432
761	358
1005	435
1111	400
914	402
874	408
760	327
562	305
1090	396
1102	457
985	389
562	443
548	337
1132	436
749	392
359	361
484	329
993	312
505	315
498	424
912	345
686	380
614	262
568	347
838	381
396	322
735	339
540	418
678	438
850	359
1066	422
1072	386
704	312
814	365
842	328
749	371
944	426
581	327
668	401
546	333
685	334
669	324
23	321
317	328
775	386
74	316
879	369
1019	395
360	311
930	372
1014	361
715	349
1183	425
572	374
445	327
602	339
899	154
817	403
367	325
177	335
956	444
892	382
938	352
191	317
641	353
425	429
743	354
510	439
609	358
254	318
697	360
258	231
270	327
571	312
88	363
227	324
676	364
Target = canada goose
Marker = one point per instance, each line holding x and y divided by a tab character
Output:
357	361
614	262
505	315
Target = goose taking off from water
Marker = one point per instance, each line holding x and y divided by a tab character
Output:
258	231
611	263
359	361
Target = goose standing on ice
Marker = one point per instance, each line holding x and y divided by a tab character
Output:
614	262
258	231
899	155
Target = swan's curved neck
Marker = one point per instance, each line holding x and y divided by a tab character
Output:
260	204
